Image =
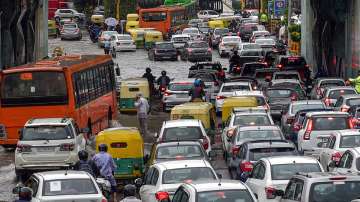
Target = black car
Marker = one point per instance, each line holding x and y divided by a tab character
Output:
246	31
296	63
196	51
163	51
203	67
279	98
250	68
264	76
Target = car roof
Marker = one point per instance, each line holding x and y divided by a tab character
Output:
123	35
191	80
181	122
48	121
63	174
330	78
324	113
302	102
247	93
203	186
339	88
177	143
260	128
348	132
351	96
236	37
168	165
180	35
275	160
268	143
287	72
244	83
277	81
327	175
191	28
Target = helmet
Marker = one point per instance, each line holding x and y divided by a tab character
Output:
25	193
148	70
235	52
163	73
197	82
103	148
129	190
83	155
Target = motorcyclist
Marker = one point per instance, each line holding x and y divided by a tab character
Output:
151	79
163	81
356	82
234	60
25	195
233	25
129	194
84	164
107	166
197	92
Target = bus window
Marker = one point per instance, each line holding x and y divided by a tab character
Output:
155	16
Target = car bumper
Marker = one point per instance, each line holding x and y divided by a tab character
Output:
201	56
172	56
126	48
44	166
70	36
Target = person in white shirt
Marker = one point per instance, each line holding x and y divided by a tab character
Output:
143	108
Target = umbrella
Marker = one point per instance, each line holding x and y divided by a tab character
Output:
111	22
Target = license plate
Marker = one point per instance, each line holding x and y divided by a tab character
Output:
45	149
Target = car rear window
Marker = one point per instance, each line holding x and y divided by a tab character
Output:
180	86
287	76
69	187
225	195
251	46
46	133
297	107
249	120
165	45
330	123
251	53
179	151
330	83
260	135
286	171
249	69
263	75
124	37
293	61
352	102
199	45
232	88
350	141
221	31
335	191
174	176
258	153
279	93
70	26
182	133
335	94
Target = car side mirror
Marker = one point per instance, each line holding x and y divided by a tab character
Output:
85	130
332	164
212	154
279	193
138	182
156	135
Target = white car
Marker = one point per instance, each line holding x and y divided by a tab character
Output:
322	83
266	44
336	145
179	40
207	14
259	34
63	186
273	173
228	44
248	46
332	94
184	129
168	176
349	161
68	13
207	191
227	90
193	32
48	143
122	42
286	75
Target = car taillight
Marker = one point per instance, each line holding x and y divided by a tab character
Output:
246	166
308	130
23	148
167	93
162	89
205	144
327	102
290	120
279	66
161	195
307	66
270	192
336	157
235	150
209	50
237	68
67	147
344	108
220	97
189	50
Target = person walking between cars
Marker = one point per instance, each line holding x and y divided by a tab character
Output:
143	108
107	46
130	194
84	164
107	166
197	92
356	82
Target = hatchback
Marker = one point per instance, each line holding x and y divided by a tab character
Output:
321	84
332	94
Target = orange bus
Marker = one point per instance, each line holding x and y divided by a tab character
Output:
164	19
80	87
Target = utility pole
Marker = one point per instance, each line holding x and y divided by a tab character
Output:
1	65
117	9
289	19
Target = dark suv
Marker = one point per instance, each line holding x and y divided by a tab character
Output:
296	63
196	51
163	51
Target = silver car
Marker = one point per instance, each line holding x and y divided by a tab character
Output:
70	31
68	13
177	93
332	94
321	83
227	44
122	42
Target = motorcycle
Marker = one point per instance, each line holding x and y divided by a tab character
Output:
236	69
105	187
94	32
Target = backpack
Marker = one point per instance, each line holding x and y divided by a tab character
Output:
85	166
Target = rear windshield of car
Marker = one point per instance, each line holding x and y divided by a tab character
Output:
297	107
69	187
225	195
221	31
204	29
46	133
260	135
174	176
335	94
335	191
124	37
249	69
258	153
231	39
165	45
232	88
279	93
70	26
190	31
251	53
248	28
179	151
286	171
352	102
265	42
199	45
331	123
182	133
252	46
286	76
180	87
329	83
293	61
263	75
350	141
249	120
181	39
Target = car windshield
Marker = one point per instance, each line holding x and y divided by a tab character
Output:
181	39
260	135
182	133
204	29
165	45
279	93
297	107
232	88
330	83
69	187
251	53
225	195
124	37
190	31
33	88
350	141
251	46
199	45
249	120
265	42
179	151
293	61
335	191
352	102
70	26
249	69
330	123
221	31
46	133
231	39
287	76
335	94
286	171
175	176
180	86
258	153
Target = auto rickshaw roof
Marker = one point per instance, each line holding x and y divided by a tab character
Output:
240	100
193	107
134	81
119	133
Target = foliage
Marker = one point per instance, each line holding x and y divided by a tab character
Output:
126	7
295	32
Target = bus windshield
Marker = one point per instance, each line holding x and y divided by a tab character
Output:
33	88
154	16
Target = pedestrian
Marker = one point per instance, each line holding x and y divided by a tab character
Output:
84	164
130	194
264	19
107	166
107	46
356	82
151	79
143	108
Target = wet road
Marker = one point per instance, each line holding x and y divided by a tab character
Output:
132	64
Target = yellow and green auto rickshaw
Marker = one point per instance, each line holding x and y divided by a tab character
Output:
128	90
132	17
216	24
52	29
131	25
231	102
97	19
203	111
126	146
151	37
138	36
